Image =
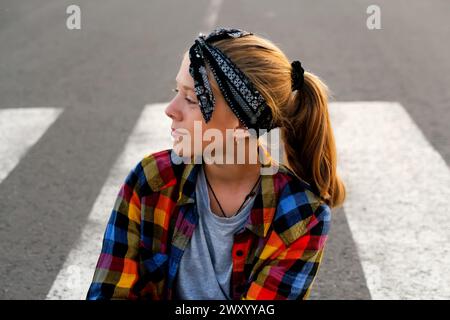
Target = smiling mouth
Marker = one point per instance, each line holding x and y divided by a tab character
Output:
176	135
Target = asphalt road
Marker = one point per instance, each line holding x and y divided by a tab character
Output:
126	56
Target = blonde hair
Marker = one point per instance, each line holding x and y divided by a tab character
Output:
302	115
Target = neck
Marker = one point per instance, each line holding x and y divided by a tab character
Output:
233	174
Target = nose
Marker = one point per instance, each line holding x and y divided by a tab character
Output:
171	110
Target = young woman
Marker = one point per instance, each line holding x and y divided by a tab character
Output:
208	228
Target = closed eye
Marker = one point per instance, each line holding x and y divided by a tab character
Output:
186	98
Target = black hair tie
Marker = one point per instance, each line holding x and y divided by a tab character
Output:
297	75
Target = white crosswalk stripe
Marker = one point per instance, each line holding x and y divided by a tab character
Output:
397	204
20	129
398	200
151	134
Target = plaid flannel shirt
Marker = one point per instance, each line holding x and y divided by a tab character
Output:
276	256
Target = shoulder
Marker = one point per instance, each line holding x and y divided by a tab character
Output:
299	208
157	171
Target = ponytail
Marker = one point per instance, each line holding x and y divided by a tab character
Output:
301	115
309	142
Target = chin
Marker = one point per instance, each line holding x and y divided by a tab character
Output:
180	151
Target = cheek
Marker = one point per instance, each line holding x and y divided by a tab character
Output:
194	118
223	117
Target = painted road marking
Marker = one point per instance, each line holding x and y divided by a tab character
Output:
20	129
398	201
151	134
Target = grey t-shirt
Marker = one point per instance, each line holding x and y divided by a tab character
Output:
206	265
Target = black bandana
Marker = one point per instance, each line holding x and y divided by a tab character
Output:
246	102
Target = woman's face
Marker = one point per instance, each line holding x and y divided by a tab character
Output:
184	111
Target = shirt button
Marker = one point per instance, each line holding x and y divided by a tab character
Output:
239	253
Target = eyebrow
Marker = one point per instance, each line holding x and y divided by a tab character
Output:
185	86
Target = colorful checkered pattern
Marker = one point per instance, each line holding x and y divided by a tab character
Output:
276	255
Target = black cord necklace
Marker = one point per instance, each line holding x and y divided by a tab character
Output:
248	196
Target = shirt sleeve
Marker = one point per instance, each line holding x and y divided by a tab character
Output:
290	274
117	268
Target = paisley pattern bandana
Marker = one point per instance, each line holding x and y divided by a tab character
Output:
246	102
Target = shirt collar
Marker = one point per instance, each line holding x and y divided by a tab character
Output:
261	214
